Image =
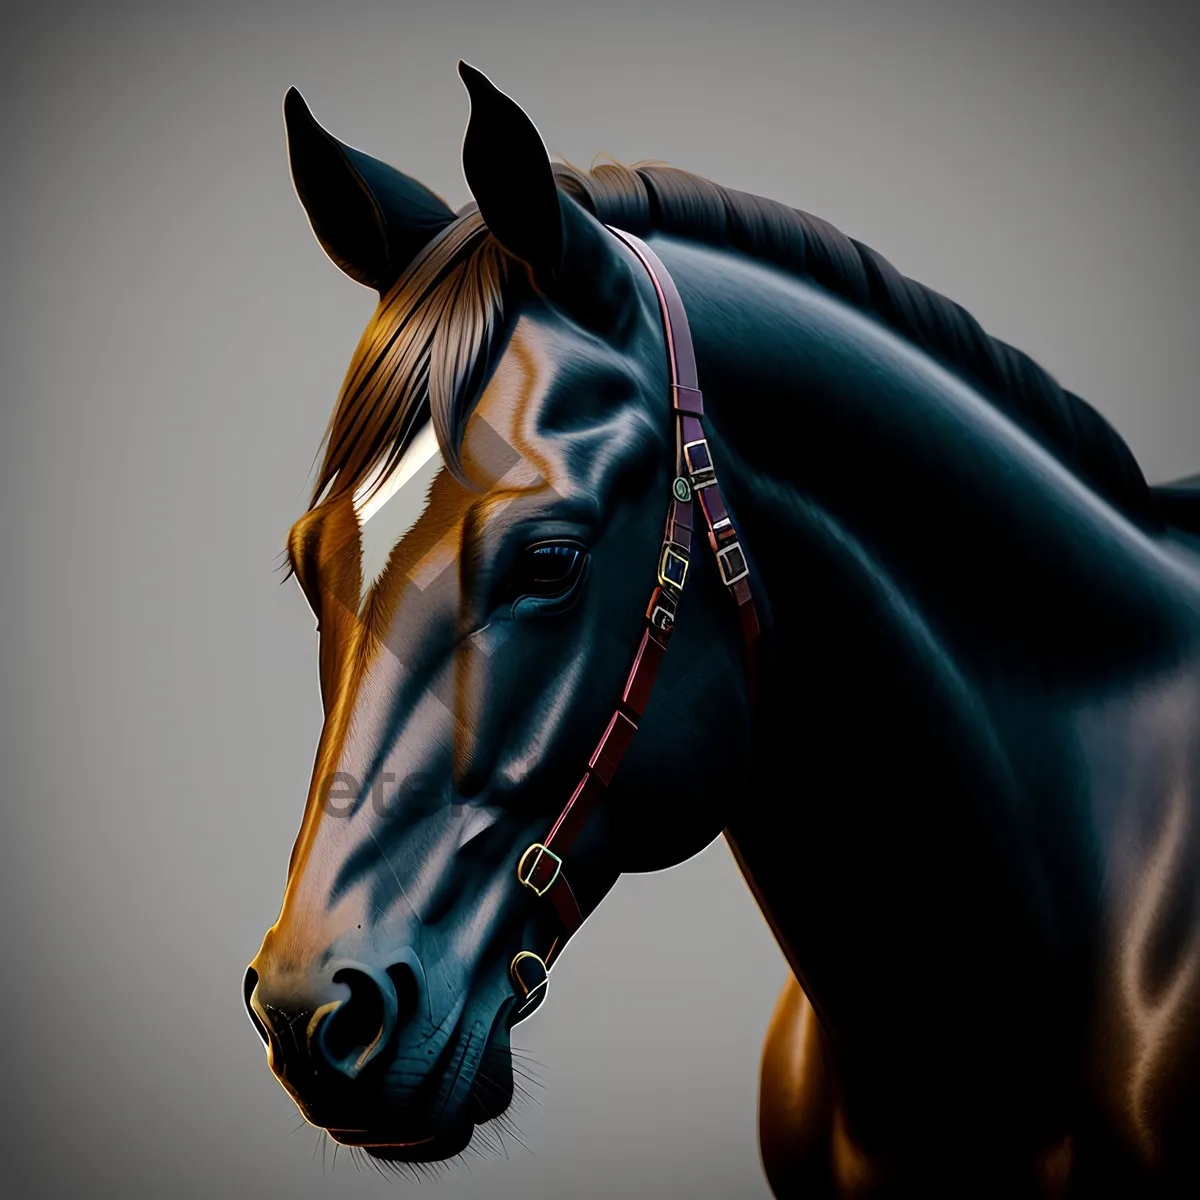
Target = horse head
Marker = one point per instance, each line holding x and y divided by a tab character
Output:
486	521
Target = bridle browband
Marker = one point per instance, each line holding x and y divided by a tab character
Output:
541	866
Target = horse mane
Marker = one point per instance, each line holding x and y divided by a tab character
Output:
650	197
429	346
437	331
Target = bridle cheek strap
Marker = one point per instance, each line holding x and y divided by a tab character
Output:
541	866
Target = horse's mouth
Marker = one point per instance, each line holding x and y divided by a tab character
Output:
486	1092
434	1148
446	1142
364	1139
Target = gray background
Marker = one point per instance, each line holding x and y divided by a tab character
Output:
173	343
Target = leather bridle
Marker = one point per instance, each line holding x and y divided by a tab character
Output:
541	866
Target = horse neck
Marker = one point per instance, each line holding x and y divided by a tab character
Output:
939	591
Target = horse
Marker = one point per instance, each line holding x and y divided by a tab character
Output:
962	781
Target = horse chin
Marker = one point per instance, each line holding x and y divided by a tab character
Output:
444	1144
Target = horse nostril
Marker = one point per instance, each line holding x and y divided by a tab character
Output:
249	983
356	1029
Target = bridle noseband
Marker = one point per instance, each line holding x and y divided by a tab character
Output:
541	866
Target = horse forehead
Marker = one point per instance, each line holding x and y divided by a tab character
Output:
509	440
390	504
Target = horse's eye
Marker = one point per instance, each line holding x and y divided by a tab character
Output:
547	570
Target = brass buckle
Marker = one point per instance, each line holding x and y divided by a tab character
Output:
671	554
531	996
526	876
730	574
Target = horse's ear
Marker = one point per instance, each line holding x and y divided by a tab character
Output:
569	253
370	219
509	174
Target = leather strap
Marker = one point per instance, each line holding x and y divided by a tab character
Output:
541	866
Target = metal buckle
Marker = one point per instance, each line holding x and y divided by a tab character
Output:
533	996
699	465
526	876
726	569
671	553
663	619
660	612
